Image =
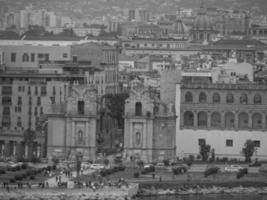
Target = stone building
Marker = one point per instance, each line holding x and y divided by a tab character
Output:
223	115
25	98
149	130
203	28
72	125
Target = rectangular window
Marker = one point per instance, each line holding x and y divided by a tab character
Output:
36	111
32	57
19	100
6	111
19	124
6	100
6	122
81	107
13	57
36	91
43	91
30	100
52	99
41	111
6	90
39	101
19	109
29	90
229	143
65	55
257	143
201	141
54	91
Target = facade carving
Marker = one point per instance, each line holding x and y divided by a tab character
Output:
72	126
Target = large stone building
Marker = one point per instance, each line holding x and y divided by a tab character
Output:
24	100
72	125
224	114
150	121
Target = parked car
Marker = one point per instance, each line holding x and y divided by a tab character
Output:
180	169
97	166
255	164
233	168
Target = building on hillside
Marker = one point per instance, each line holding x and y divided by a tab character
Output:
203	30
28	57
246	50
174	48
221	112
72	125
103	56
25	98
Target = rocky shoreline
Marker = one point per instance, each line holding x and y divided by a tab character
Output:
202	189
107	193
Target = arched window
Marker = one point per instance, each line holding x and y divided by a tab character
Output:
229	120
25	57
256	121
138	109
243	120
156	110
230	98
243	99
202	98
202	119
257	99
216	98
188	119
215	120
188	97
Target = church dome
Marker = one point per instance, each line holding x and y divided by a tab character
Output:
203	21
180	28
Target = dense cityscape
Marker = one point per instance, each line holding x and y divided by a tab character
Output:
117	96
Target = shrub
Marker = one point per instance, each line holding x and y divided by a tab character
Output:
18	168
136	175
211	171
166	162
179	170
32	177
2	171
191	158
18	177
24	166
12	180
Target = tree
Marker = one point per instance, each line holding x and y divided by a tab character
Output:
248	150
204	150
29	137
115	106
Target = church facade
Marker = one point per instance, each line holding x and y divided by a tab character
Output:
149	131
72	126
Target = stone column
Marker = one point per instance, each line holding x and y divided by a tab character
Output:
236	119
250	120
195	119
209	120
26	151
223	120
263	121
7	148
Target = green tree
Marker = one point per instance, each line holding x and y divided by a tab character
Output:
248	150
204	150
115	106
29	137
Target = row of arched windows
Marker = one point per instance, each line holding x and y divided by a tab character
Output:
229	120
216	98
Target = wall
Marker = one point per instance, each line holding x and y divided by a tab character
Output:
187	142
55	54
